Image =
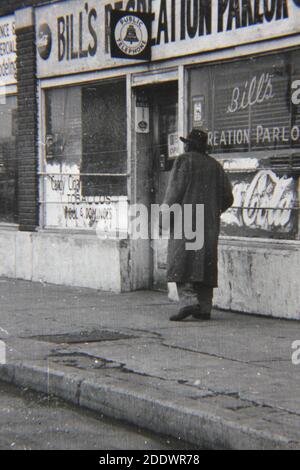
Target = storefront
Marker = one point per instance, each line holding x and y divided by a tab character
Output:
108	131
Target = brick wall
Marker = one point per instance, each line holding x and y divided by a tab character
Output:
27	145
27	150
27	153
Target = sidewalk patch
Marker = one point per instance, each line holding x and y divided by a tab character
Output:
82	361
93	336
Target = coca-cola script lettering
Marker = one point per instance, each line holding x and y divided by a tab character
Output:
266	203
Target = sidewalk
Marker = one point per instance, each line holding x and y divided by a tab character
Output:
229	383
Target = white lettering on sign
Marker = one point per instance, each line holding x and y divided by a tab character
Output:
255	91
8	67
272	135
266	203
261	135
229	137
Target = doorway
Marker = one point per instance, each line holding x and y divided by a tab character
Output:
157	148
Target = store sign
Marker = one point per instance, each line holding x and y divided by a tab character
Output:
74	36
8	56
130	35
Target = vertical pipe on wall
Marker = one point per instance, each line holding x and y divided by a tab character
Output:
41	151
182	108
129	134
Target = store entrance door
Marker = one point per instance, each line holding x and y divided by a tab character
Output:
163	148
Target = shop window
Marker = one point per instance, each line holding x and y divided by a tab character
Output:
85	168
248	105
8	161
104	145
86	133
251	108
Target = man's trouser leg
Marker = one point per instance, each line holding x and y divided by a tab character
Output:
188	296
194	299
204	297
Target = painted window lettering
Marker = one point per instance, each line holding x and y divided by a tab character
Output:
265	203
255	91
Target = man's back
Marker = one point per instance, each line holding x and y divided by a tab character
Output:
199	179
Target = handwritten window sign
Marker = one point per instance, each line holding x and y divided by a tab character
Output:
253	104
7	51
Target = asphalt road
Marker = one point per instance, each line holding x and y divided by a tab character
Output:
31	421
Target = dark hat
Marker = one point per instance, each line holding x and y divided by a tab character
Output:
197	136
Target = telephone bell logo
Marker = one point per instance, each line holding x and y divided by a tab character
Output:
131	35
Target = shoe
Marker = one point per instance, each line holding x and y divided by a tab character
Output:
182	314
202	316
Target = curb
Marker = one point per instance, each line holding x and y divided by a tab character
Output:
134	405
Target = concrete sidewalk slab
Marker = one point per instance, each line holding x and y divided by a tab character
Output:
229	383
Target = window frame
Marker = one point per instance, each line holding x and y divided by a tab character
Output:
11	90
45	85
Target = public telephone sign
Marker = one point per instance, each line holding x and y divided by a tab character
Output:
130	35
75	36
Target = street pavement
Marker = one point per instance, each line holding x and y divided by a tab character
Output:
227	384
34	421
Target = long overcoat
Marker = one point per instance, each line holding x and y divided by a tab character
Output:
197	179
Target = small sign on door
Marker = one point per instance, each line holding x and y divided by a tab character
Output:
173	145
198	111
142	115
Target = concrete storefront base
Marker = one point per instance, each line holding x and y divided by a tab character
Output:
68	259
259	276
255	275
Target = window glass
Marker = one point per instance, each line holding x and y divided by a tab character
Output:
248	105
8	161
252	106
63	126
85	140
104	142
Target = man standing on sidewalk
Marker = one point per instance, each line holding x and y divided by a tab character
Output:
197	178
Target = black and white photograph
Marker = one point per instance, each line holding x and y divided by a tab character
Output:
149	228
